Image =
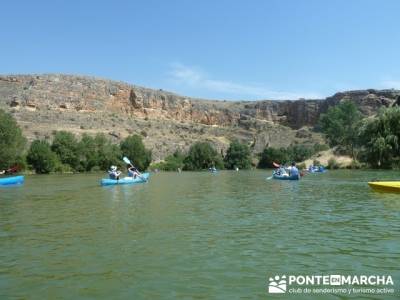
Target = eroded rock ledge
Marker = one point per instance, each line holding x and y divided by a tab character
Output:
43	103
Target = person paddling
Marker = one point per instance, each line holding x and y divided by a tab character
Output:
133	171
293	171
114	173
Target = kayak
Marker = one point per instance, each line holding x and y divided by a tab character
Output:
12	180
386	186
280	177
317	170
125	180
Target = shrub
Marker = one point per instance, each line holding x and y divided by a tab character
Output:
133	148
355	165
65	146
41	158
302	166
87	153
299	152
380	139
270	155
320	147
12	143
62	168
171	162
316	162
107	154
202	156
340	125
333	164
237	156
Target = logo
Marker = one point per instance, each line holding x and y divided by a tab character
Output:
336	284
277	285
335	279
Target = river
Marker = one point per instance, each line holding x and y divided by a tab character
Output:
194	235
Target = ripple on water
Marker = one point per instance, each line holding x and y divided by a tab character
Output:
191	235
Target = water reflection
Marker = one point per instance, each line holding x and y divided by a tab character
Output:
191	235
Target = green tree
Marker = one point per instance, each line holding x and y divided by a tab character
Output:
65	145
107	154
340	125
298	153
237	155
88	153
12	142
174	161
133	148
380	139
40	156
271	155
202	156
171	162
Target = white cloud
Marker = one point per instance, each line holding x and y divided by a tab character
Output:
197	79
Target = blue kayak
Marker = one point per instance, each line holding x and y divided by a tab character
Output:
12	180
280	177
126	180
320	169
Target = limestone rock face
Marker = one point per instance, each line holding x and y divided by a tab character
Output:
368	101
167	121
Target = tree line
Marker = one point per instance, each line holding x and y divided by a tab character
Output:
371	141
67	153
202	155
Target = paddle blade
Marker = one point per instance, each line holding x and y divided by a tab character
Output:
126	160
275	165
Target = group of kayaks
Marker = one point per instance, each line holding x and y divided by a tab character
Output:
384	186
17	180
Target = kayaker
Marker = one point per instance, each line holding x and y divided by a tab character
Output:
114	173
133	171
281	171
293	171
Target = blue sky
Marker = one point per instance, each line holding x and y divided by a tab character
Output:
258	49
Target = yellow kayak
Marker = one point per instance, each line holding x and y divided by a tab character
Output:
386	186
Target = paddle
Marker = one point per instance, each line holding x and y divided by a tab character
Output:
276	166
127	161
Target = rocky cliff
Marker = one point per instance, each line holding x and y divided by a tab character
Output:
45	103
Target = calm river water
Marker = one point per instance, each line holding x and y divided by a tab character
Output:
193	235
